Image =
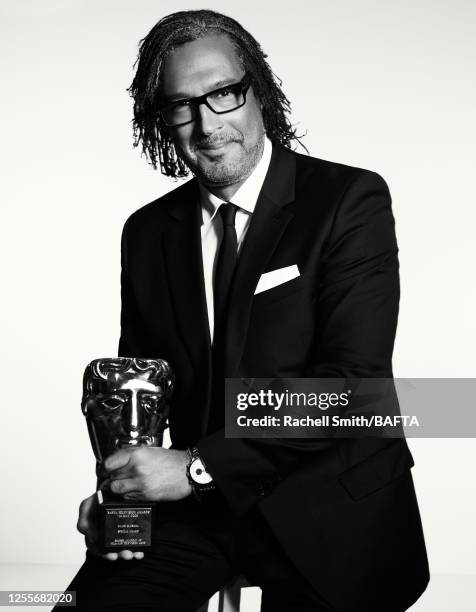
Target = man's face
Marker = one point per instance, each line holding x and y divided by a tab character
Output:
221	150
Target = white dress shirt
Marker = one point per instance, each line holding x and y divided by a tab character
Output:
212	227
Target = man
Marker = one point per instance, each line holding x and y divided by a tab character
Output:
317	524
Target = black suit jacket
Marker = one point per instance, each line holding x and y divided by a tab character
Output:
345	511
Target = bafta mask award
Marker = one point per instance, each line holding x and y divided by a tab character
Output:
126	404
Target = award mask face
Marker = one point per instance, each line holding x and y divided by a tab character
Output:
125	401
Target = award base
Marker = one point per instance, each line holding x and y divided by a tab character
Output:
124	525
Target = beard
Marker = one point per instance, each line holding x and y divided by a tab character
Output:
220	169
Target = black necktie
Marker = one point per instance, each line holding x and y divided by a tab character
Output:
225	268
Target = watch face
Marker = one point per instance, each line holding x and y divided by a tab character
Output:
199	473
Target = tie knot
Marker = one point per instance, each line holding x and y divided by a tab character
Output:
228	213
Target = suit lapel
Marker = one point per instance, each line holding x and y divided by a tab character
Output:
268	223
183	257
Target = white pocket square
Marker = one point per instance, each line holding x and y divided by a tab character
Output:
268	280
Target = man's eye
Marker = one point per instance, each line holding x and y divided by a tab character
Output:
181	106
223	93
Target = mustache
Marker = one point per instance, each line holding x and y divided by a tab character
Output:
214	141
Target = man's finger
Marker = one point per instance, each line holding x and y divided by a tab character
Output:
126	555
123	486
123	555
124	472
117	460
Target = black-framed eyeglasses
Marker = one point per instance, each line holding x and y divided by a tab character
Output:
220	101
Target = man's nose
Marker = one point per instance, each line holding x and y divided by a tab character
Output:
207	121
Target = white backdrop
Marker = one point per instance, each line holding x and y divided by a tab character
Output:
383	85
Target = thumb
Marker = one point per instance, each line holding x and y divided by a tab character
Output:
87	511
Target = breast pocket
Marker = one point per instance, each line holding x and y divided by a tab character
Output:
295	285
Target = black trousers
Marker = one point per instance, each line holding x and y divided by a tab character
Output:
198	547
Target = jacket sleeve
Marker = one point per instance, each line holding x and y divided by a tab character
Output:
130	341
356	319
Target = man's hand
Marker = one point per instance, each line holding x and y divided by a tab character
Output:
148	473
142	473
88	526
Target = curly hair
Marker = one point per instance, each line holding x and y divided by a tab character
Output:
175	30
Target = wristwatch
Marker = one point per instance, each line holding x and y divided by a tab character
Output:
200	480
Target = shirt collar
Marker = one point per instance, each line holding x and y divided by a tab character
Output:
246	196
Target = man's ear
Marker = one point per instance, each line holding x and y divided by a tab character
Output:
260	101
